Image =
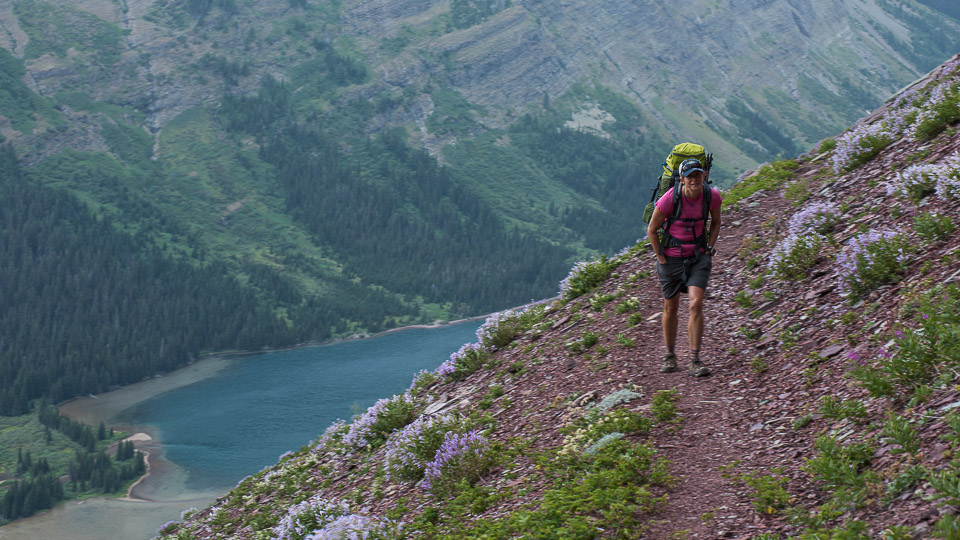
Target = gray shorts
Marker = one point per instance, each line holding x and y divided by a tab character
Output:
680	273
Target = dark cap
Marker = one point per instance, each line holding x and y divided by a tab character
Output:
690	166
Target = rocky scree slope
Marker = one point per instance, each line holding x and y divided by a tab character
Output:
830	410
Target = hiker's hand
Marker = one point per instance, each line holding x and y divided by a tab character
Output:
662	258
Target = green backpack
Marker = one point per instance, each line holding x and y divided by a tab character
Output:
668	178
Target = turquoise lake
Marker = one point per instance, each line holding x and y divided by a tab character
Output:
224	427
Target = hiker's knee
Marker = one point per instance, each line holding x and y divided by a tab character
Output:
670	306
696	300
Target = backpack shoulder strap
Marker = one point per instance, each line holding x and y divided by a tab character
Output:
677	204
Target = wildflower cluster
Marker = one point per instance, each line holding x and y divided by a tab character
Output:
322	519
871	258
333	432
921	114
465	361
860	145
357	526
383	417
791	258
801	248
411	448
815	218
918	181
499	329
940	108
421	380
464	456
502	328
308	516
586	276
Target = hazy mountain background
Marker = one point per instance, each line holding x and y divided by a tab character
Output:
183	176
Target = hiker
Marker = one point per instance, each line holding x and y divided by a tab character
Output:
685	259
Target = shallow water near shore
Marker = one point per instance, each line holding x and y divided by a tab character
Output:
224	418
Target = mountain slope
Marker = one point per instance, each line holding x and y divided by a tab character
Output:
351	166
455	78
832	326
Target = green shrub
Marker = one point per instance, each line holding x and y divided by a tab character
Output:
831	407
628	305
908	479
589	339
898	430
933	227
664	406
599	300
837	466
585	276
770	176
827	145
794	255
871	259
933	122
771	494
744	299
611	491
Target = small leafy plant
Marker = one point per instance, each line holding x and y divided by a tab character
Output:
871	259
664	406
933	227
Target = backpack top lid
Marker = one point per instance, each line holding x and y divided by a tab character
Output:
681	152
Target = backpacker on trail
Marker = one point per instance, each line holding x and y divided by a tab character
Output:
671	172
669	179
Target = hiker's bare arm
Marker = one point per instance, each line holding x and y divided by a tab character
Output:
714	226
655	223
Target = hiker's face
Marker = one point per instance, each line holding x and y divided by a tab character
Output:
693	182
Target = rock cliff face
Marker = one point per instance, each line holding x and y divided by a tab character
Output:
703	70
802	64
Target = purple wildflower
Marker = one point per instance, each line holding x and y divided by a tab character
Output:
859	141
361	430
814	218
308	516
870	258
333	430
462	359
490	332
408	449
351	527
168	527
460	456
567	284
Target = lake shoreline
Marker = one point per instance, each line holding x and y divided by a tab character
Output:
172	486
93	409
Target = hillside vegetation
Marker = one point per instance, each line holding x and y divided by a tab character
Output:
327	169
833	327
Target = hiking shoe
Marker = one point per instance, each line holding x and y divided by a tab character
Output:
669	363
697	369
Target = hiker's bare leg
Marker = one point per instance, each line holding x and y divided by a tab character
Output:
670	322
695	324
